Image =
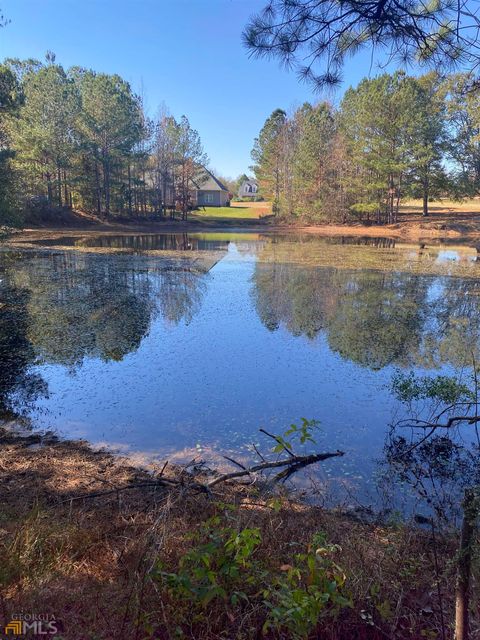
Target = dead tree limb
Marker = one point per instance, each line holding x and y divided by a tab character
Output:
424	424
187	481
292	464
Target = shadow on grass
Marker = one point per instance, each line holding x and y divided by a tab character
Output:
89	561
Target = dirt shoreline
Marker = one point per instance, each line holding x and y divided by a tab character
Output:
78	545
412	229
394	232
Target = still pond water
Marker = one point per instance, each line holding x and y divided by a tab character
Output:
180	346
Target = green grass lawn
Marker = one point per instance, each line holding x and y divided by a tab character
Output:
227	216
228	213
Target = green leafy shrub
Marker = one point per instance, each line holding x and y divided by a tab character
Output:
216	567
223	567
302	433
312	588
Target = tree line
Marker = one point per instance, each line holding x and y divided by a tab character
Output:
392	137
81	139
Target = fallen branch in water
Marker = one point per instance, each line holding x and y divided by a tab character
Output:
189	480
292	464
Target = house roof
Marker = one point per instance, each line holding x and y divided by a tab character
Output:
206	181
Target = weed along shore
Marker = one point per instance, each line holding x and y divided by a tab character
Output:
83	530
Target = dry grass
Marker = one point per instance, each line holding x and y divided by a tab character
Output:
89	561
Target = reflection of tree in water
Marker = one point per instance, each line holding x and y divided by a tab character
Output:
371	317
453	332
379	318
17	384
435	470
84	306
180	294
302	299
435	450
61	308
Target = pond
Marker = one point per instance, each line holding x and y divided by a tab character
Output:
176	346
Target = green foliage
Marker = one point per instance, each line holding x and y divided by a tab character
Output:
409	387
302	433
317	39
267	157
224	565
110	125
220	565
78	138
390	139
10	98
311	588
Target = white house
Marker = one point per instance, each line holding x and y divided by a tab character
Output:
248	189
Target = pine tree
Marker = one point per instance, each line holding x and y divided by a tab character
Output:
373	119
427	138
9	101
110	125
316	130
463	115
45	131
267	155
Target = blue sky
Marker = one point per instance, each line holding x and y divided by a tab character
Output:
186	54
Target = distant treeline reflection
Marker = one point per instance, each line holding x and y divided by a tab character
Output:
373	318
61	308
64	307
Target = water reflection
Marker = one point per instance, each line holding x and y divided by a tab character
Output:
140	242
432	469
18	386
65	308
215	338
372	317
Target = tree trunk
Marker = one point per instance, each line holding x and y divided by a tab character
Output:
129	190
106	186
65	188
97	183
59	186
425	206
425	198
462	594
49	187
164	196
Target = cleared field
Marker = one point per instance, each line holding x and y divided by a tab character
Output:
437	208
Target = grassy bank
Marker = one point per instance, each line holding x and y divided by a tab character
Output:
111	561
447	219
238	213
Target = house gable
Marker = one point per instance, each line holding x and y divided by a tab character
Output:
206	181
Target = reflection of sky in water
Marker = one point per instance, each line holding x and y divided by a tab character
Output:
213	381
449	254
